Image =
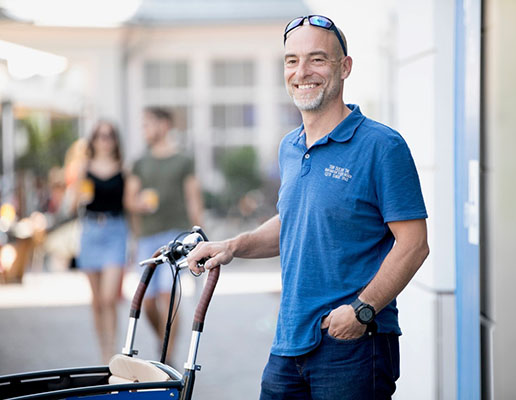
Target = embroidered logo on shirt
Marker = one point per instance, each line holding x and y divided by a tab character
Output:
337	172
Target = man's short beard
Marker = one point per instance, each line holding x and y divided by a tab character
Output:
319	101
309	105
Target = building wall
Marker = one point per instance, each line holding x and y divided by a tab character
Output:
106	78
424	115
499	174
90	86
200	48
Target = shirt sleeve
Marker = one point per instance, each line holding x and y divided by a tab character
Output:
188	167
397	185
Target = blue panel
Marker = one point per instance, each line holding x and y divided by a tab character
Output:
133	395
467	139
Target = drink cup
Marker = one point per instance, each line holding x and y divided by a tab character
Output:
150	198
86	191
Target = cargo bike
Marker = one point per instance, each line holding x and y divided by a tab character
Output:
128	377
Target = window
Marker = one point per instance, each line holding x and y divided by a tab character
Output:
233	73
166	74
233	116
290	117
179	118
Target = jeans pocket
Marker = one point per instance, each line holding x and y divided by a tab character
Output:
326	332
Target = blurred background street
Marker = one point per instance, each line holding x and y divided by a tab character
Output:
47	323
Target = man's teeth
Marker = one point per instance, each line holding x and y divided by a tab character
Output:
309	86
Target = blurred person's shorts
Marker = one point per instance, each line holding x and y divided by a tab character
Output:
103	241
161	281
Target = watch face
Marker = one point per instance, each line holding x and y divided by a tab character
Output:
366	314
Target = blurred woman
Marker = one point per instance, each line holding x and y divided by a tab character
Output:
102	256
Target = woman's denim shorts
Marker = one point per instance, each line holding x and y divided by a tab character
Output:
103	241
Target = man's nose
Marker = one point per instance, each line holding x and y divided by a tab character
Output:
303	69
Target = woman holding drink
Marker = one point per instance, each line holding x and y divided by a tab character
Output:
99	196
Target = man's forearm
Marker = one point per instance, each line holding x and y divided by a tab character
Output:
263	242
398	268
260	243
131	198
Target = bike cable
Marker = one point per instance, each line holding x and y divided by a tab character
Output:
171	312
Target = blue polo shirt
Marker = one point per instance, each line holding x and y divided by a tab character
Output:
335	201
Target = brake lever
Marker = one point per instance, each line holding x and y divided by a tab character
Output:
156	260
184	264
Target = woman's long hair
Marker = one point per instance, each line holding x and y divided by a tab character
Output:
117	152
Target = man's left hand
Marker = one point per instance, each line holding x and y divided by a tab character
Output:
343	324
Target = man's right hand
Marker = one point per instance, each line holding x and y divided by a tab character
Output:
215	254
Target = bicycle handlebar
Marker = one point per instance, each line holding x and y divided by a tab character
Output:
136	303
204	301
179	250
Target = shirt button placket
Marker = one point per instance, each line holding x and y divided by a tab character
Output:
307	164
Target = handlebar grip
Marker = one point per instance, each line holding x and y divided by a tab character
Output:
204	301
136	303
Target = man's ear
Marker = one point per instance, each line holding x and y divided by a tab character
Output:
346	66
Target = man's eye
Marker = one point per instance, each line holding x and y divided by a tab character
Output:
290	62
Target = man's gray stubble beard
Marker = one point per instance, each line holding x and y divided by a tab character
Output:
310	105
318	102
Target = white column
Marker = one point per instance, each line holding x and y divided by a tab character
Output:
201	124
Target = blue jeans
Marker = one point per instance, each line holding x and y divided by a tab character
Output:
365	368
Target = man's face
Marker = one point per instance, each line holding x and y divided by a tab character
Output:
313	69
153	129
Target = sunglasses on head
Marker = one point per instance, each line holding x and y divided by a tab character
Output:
315	20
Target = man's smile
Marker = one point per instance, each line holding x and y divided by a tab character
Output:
306	86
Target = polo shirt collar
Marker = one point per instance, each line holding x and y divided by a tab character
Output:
346	129
299	136
341	133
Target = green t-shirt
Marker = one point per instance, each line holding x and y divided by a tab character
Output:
166	176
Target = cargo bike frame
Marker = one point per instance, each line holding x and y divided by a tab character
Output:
127	377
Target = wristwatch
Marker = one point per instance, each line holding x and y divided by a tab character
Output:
364	312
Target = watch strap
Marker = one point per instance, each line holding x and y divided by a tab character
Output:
356	303
358	306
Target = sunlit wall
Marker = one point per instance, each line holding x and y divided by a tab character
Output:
500	175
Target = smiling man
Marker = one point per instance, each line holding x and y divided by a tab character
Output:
350	232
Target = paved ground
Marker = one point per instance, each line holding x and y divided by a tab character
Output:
45	322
